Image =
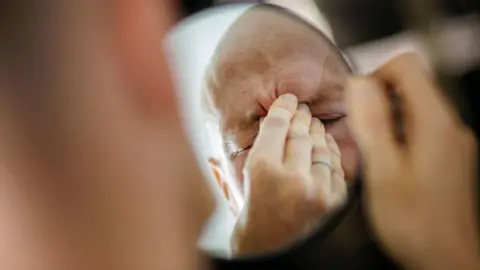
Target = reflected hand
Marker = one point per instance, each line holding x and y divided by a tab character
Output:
293	175
420	195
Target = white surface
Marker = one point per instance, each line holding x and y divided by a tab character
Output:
307	9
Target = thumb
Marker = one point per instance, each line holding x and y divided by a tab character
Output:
371	124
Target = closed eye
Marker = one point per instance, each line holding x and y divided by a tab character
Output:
240	151
329	121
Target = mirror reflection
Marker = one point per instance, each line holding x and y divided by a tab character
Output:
253	64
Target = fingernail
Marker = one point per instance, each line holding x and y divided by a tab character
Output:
288	98
304	108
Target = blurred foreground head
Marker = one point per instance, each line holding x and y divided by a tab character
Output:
88	117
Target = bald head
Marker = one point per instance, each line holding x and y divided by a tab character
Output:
264	54
265	46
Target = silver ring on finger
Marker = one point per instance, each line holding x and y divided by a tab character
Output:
322	162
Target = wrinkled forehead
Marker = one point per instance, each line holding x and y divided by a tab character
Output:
266	48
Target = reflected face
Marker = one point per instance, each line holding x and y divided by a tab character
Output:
266	54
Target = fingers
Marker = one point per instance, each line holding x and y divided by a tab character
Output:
299	143
273	132
410	79
329	179
339	185
370	120
414	84
321	161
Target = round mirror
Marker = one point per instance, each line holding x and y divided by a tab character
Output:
231	63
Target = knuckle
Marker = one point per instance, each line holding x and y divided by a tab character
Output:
321	143
305	141
300	126
320	151
338	173
276	121
300	135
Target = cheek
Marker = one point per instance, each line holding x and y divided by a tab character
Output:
348	149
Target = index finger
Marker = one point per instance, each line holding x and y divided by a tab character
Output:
273	131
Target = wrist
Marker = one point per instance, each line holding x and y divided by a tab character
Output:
259	239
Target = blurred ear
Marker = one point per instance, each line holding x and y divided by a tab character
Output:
219	175
141	26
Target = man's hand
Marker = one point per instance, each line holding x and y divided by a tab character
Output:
420	195
293	176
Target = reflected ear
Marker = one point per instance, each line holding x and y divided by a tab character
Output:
220	179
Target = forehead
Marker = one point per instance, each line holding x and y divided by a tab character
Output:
269	32
267	53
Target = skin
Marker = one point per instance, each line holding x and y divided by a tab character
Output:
125	227
285	186
419	194
99	156
251	69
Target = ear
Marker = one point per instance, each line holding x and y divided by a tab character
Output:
219	175
140	28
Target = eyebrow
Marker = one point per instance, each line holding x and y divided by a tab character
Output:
320	96
314	100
